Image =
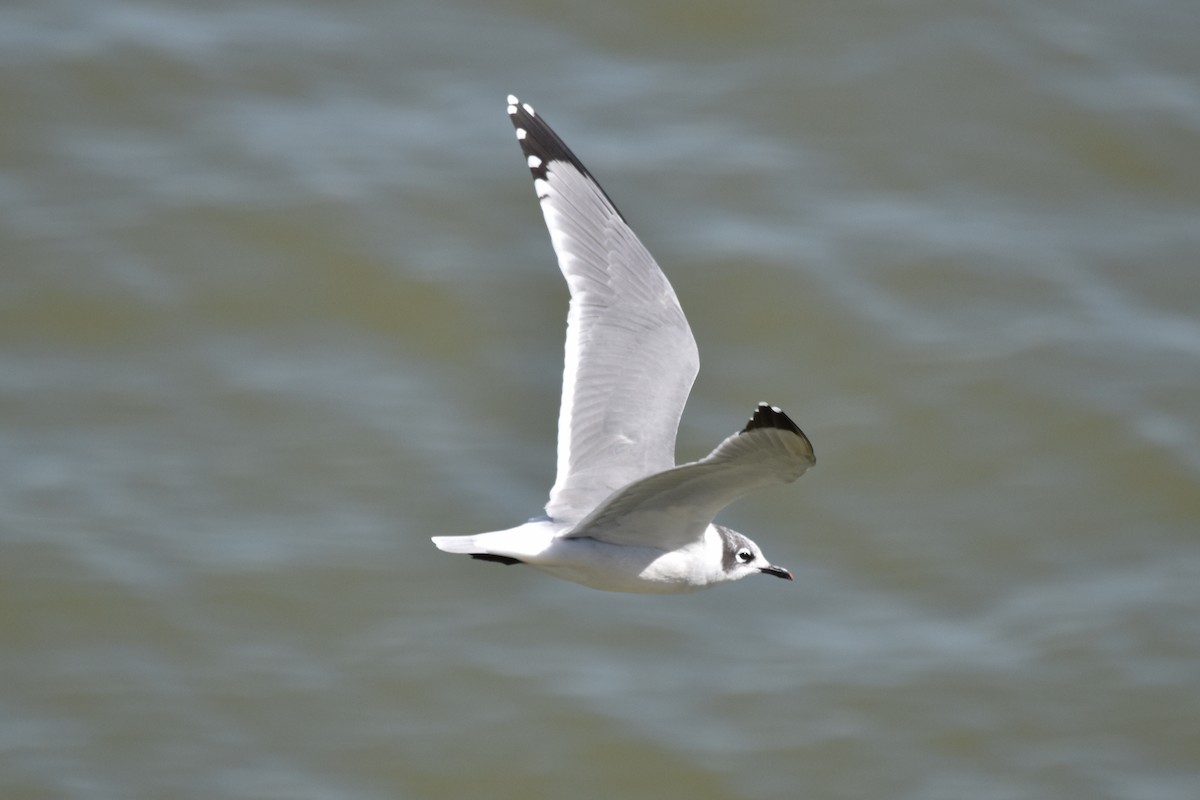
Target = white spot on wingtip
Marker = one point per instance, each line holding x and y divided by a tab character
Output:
777	409
512	100
521	134
512	110
529	109
534	162
542	188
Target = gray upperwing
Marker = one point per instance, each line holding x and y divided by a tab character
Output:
671	509
630	356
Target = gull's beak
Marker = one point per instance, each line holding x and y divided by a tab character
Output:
778	572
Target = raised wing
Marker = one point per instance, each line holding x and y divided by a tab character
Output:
630	355
672	509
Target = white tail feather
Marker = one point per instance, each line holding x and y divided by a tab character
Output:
457	544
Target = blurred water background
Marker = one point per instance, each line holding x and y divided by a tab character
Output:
277	303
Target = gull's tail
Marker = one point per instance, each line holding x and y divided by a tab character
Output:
514	546
470	546
457	544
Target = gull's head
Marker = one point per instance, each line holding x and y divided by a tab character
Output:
741	557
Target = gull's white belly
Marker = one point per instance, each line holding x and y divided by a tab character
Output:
618	568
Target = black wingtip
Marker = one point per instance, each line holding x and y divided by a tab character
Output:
541	146
539	143
769	416
507	560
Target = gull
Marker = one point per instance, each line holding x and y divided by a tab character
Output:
622	516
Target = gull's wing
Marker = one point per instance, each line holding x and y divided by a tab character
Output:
672	509
630	356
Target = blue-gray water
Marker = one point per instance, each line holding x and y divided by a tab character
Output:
277	303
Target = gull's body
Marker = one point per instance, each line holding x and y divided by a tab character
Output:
621	516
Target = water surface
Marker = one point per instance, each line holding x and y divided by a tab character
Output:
278	304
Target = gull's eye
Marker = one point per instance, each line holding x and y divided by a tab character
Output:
744	556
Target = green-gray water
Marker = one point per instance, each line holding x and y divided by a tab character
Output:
277	304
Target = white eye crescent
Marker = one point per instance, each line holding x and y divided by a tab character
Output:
744	556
